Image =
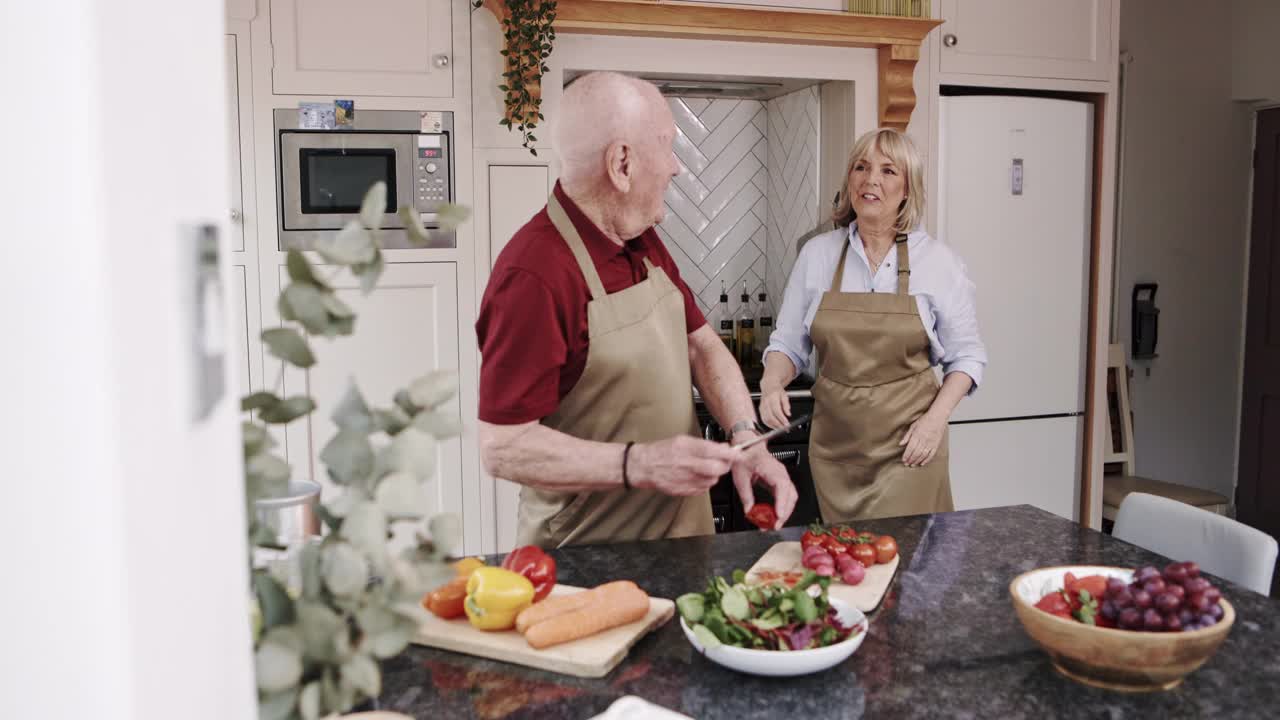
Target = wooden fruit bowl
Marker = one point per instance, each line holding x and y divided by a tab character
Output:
1125	660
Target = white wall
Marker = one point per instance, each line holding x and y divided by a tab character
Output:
1185	188
125	579
1255	50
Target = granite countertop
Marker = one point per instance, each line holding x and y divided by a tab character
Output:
944	643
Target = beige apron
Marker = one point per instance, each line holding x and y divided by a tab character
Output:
635	387
874	380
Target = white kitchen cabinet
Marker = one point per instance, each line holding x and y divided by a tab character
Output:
398	48
1028	38
405	328
1033	462
240	328
235	190
516	194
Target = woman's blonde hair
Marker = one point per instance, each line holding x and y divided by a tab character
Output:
897	147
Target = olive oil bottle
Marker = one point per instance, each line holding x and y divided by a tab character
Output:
764	324
726	322
746	331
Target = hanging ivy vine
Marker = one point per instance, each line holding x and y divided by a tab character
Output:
529	34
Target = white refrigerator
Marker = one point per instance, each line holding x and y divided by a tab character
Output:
1015	192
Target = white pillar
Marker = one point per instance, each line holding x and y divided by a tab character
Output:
124	580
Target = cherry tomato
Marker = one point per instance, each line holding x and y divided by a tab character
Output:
447	601
763	516
813	536
833	545
865	537
864	553
886	549
845	533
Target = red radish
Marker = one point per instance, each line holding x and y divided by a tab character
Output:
853	573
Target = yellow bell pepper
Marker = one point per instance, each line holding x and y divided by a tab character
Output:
495	596
466	565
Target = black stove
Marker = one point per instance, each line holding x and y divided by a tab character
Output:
791	449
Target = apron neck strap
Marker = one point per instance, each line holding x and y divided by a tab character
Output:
561	220
904	264
839	276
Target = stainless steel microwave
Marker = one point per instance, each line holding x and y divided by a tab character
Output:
324	174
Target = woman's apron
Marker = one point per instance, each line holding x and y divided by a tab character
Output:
874	379
635	387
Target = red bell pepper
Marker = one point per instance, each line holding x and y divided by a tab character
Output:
539	567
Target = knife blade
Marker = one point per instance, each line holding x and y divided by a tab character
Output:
795	423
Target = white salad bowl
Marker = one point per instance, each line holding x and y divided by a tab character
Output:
788	663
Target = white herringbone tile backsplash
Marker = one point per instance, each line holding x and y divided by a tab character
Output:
744	175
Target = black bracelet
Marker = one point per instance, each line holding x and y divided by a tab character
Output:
626	483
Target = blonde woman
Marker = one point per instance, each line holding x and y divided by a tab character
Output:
880	303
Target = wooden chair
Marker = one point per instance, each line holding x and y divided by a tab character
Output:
1117	486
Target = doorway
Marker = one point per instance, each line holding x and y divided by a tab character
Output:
1258	488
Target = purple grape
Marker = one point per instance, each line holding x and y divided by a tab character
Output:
1188	627
1213	594
1144	574
1142	600
1215	610
1130	619
1193	570
1152	621
1165	602
1122	599
1186	616
1175	573
1115	585
1206	620
1198	603
1177	591
1172	623
1196	585
1109	610
1155	586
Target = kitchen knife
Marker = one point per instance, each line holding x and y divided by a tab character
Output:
795	423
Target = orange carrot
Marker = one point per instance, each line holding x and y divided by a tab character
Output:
611	605
560	604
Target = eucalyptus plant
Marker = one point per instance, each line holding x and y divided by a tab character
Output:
317	647
529	33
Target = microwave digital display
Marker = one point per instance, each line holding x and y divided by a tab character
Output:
430	153
334	181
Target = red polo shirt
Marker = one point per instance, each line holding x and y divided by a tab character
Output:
532	327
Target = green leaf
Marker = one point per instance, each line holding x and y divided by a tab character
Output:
345	570
254	438
288	345
300	270
450	215
405	403
392	420
369	272
275	604
400	496
305	304
258	400
344	326
346	501
362	673
352	413
319	624
366	529
286	636
335	306
269	472
412	451
287	410
434	388
309	568
348	457
336	697
374	206
309	701
392	641
734	604
276	667
413	226
706	637
438	423
353	245
446	530
277	706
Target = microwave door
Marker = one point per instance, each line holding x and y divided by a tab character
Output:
327	174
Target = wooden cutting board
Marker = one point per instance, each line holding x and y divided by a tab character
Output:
866	595
589	657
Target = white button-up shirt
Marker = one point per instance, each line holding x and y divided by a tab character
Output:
938	282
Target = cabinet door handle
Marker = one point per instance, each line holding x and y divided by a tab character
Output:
950	40
441	61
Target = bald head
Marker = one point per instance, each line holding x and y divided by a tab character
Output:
601	108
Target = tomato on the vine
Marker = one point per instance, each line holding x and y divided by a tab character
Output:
886	549
833	545
864	553
813	536
845	533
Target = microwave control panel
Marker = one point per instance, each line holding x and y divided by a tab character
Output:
431	182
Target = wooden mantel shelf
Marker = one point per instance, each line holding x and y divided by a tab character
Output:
896	39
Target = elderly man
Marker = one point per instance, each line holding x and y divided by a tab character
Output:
590	341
